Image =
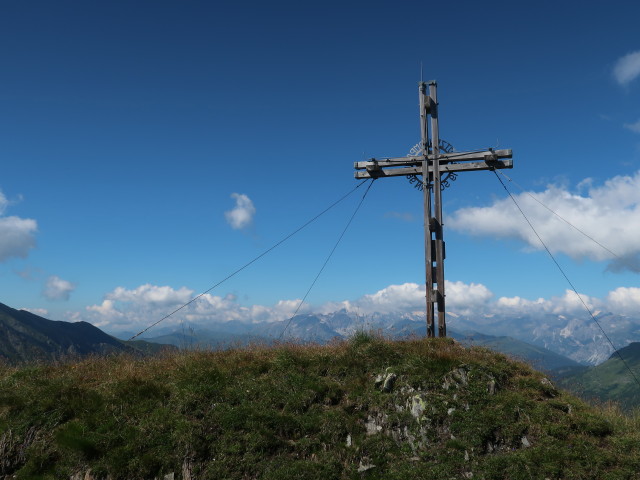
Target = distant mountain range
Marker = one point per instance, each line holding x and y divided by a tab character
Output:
574	336
319	328
26	337
577	337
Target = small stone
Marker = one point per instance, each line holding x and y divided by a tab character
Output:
372	427
363	468
388	382
525	442
417	406
466	456
450	411
349	440
491	387
550	388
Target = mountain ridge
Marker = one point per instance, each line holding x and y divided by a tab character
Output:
27	337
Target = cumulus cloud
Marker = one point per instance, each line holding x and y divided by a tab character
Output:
568	303
627	68
136	307
58	289
151	295
141	306
241	216
392	299
409	297
106	310
467	298
634	127
609	213
625	300
17	235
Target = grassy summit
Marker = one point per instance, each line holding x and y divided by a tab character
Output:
367	408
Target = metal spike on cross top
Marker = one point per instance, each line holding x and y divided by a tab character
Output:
429	166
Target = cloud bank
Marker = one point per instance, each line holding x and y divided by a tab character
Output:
135	309
609	213
241	216
139	307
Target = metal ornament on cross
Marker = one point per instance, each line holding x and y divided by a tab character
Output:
431	159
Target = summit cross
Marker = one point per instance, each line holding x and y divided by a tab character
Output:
430	163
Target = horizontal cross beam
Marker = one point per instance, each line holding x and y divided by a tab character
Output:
443	158
375	171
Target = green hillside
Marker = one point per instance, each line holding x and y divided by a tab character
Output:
366	408
611	380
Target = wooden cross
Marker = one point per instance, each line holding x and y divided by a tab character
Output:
430	163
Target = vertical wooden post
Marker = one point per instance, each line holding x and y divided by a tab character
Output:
428	247
437	193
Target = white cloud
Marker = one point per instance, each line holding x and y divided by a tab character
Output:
609	213
140	307
466	298
241	216
17	235
518	303
58	289
624	300
627	68
571	303
151	295
393	298
568	303
634	127
408	297
105	309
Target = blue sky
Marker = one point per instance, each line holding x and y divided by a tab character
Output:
128	129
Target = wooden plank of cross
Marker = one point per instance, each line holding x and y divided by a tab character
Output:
431	164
